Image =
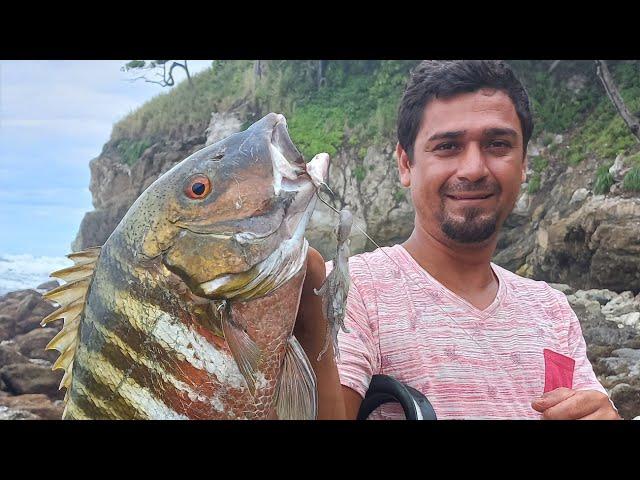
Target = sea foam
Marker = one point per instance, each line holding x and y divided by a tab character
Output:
19	272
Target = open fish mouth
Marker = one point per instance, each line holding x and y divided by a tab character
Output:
283	263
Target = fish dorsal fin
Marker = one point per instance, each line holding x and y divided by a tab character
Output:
71	297
244	350
296	395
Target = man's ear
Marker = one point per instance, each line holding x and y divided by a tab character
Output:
524	169
404	166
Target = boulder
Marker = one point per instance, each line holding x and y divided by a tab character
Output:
7	327
579	195
27	304
36	404
9	414
620	305
617	168
25	378
9	354
33	343
602	296
50	285
585	309
626	398
630	319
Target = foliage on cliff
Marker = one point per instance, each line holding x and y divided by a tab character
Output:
356	106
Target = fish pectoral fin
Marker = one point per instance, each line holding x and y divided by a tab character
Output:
297	395
244	350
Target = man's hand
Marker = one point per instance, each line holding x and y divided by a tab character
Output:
568	404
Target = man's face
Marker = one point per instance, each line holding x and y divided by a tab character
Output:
468	163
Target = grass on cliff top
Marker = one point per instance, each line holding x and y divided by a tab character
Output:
183	110
357	104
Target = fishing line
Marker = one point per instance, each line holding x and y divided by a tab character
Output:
482	347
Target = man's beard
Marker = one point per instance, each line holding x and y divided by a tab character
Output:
476	224
473	228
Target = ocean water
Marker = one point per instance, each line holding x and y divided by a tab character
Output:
18	272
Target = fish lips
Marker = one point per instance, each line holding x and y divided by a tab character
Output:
294	223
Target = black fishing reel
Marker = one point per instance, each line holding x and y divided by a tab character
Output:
384	389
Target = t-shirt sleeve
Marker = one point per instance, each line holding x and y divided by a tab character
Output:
359	358
584	377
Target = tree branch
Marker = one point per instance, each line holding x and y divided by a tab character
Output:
614	95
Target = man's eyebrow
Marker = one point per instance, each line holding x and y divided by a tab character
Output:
497	132
449	135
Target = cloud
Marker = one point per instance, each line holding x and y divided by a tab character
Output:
55	117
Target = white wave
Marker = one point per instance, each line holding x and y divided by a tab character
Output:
18	272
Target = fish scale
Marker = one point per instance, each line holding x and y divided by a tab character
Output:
188	310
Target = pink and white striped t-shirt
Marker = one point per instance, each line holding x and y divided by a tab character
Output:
470	363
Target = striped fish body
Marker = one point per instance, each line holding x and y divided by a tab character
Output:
187	311
147	356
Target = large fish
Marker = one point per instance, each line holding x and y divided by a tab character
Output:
187	311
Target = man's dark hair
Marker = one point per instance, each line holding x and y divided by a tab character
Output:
441	79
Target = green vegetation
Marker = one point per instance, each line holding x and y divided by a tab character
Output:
604	180
631	181
356	108
538	165
131	150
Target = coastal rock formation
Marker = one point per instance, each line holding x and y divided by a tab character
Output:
29	389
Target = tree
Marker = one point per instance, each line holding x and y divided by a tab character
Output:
162	69
614	95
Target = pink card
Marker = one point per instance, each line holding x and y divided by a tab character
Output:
558	370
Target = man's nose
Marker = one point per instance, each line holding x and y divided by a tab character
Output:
472	165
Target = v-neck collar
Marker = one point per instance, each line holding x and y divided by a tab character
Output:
454	297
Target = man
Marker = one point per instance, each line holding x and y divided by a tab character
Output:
434	312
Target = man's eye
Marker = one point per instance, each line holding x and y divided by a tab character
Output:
446	146
499	144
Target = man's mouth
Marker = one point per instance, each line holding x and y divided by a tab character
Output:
470	197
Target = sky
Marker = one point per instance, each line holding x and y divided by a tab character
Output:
55	116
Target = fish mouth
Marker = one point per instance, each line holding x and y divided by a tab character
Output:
284	262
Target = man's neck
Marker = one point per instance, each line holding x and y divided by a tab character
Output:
463	269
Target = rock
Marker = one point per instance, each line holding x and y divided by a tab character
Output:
9	354
579	195
586	310
36	404
522	205
221	126
27	304
533	150
631	319
8	414
620	305
7	327
617	170
606	334
33	343
3	386
24	378
602	296
558	139
563	287
626	399
50	285
613	366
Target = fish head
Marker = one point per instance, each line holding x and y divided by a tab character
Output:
231	205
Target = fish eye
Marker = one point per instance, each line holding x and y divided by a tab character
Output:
198	187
